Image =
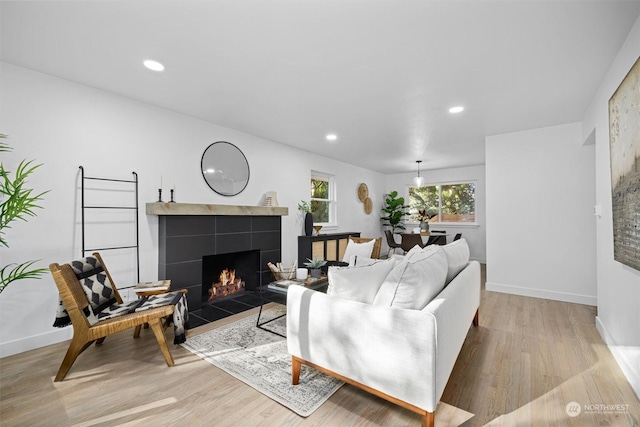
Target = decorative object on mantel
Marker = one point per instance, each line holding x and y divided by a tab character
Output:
172	201
363	196
225	168
624	141
317	229
305	207
271	199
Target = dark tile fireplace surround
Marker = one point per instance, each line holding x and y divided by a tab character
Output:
185	239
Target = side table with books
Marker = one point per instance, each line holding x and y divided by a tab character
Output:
281	287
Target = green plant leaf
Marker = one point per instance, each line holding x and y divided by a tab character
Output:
12	272
18	203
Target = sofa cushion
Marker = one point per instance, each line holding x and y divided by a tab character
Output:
457	257
415	281
360	261
359	283
358	249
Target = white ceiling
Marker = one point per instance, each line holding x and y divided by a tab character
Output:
381	74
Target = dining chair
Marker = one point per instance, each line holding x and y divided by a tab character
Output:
391	242
409	240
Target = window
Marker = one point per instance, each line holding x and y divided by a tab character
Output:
450	203
322	198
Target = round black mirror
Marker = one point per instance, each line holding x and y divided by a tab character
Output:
225	168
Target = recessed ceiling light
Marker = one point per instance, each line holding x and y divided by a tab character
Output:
457	109
153	65
332	137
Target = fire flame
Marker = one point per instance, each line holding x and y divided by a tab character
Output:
227	276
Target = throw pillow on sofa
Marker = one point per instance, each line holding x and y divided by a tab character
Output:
358	249
414	282
358	283
457	257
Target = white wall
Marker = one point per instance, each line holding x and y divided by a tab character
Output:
540	223
64	125
474	234
618	285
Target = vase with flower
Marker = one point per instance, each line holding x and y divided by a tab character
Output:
424	220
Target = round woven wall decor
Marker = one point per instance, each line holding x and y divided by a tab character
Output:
368	206
363	192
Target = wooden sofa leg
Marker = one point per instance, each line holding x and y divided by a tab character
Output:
428	419
296	365
475	318
158	331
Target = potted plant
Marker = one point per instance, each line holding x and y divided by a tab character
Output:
314	266
17	202
394	211
305	208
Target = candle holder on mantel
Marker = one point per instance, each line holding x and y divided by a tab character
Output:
172	201
159	195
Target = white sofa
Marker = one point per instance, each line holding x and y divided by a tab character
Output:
404	355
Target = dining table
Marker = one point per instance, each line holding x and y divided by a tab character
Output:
424	238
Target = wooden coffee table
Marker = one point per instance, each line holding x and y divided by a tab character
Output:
274	287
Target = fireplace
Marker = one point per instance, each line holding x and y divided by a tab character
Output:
225	275
187	233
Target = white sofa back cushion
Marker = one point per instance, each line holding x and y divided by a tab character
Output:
358	249
457	253
359	283
415	281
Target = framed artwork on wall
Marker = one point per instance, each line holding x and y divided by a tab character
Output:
624	145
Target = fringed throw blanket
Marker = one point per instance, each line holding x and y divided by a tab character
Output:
103	305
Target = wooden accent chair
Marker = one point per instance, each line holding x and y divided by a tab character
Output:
375	252
76	303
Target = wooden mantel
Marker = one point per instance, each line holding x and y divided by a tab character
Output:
160	208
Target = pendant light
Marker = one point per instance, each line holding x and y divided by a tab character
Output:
418	180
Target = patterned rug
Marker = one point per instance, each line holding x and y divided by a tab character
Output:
260	359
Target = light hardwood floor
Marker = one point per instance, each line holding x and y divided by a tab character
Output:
526	361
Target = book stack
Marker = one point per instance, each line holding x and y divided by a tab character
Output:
161	285
282	284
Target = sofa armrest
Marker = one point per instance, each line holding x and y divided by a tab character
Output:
454	310
390	350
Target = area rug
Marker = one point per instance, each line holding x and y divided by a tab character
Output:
260	359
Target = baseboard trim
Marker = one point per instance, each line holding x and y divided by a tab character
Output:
30	343
539	293
627	357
